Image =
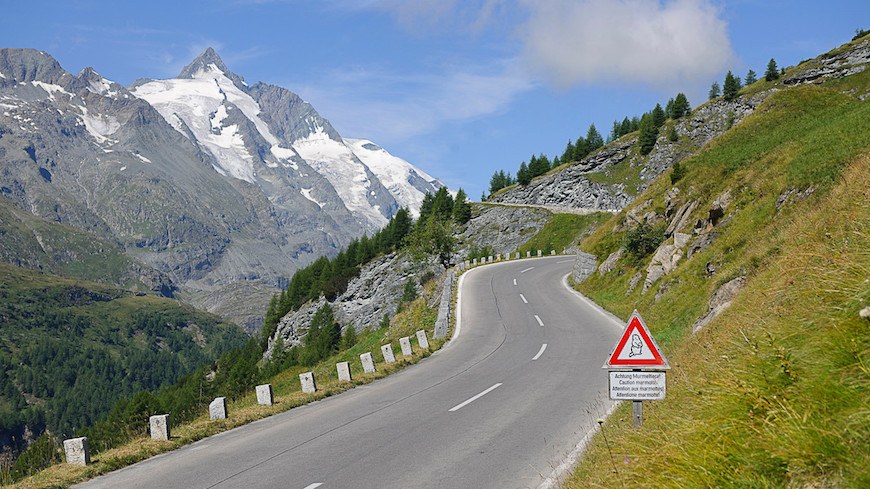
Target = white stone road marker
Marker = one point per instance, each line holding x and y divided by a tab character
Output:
405	343
343	371
422	340
387	351
367	362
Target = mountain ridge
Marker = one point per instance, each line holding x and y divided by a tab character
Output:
218	200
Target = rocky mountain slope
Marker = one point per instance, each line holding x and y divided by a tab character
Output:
222	187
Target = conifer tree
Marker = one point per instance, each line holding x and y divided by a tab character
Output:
669	109
568	155
658	116
461	207
681	106
715	91
672	134
731	87
581	149
443	204
426	205
523	177
751	77
772	72
648	134
593	138
625	127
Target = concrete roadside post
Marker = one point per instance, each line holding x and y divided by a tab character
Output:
77	451
387	352
498	257
636	368
159	427
552	252
405	343
528	254
307	381
518	256
264	395
367	362
539	253
343	371
422	340
218	408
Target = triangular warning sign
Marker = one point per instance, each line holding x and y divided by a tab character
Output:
636	348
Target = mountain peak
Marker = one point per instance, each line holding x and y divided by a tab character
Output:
203	62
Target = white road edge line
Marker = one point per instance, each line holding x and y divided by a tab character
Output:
524	298
527	269
470	400
560	473
540	352
540	323
313	486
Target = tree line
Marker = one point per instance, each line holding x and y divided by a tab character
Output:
676	108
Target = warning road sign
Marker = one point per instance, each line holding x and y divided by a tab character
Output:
636	349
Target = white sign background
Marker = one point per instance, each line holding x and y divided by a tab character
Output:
637	386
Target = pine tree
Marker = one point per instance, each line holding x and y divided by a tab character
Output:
772	73
556	161
461	207
442	206
715	91
523	176
581	149
426	206
648	134
681	106
593	138
635	124
731	87
625	127
672	134
751	77
658	116
568	155
614	132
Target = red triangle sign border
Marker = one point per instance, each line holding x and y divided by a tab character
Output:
636	324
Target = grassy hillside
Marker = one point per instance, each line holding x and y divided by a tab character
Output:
31	242
69	350
773	392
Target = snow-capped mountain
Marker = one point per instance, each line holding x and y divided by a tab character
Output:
226	188
405	182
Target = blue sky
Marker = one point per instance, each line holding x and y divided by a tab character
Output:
459	88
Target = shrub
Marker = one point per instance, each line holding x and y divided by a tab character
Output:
643	240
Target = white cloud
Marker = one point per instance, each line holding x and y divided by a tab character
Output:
389	107
648	41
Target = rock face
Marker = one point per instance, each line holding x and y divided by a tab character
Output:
584	266
503	228
221	189
720	301
833	65
376	292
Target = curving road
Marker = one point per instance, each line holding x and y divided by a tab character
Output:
499	407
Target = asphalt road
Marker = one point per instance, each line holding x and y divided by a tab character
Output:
498	407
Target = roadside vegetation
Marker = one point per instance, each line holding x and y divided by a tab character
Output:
122	439
562	232
773	392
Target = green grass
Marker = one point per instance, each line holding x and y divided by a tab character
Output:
562	231
773	393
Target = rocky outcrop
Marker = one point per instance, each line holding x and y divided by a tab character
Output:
837	64
584	266
720	301
504	228
376	292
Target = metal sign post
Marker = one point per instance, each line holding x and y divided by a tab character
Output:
636	368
